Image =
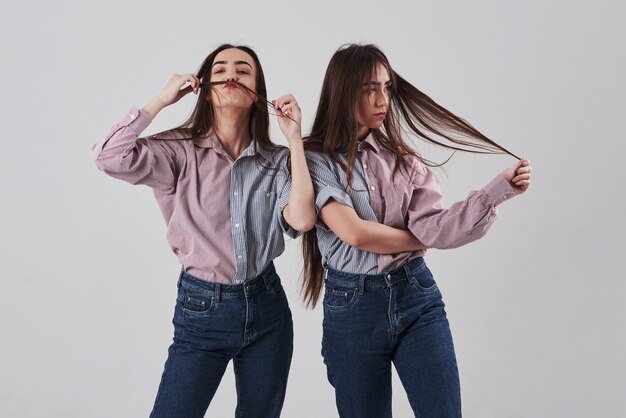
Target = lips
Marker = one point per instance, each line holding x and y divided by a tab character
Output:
230	85
380	115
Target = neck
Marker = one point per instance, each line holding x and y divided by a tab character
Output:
362	132
231	127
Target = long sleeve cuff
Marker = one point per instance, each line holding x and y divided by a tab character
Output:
135	120
498	190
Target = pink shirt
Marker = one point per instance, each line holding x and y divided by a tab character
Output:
224	216
414	203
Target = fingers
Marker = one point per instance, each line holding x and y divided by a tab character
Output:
195	84
185	91
287	105
522	180
522	174
189	80
182	81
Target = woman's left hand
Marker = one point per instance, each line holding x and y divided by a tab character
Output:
289	116
519	176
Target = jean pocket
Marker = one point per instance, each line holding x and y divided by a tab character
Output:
424	281
339	299
194	304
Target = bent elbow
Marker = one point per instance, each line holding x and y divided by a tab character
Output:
355	239
301	223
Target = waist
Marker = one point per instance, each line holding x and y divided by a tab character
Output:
250	287
385	279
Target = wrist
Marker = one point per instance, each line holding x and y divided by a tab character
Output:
294	140
154	107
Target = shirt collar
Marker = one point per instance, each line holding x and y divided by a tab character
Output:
369	141
211	141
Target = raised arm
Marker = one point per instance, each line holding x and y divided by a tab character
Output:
124	155
300	210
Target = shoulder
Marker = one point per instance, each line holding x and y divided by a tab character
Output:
172	139
317	158
279	154
416	164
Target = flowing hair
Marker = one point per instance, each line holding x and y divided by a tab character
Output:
335	128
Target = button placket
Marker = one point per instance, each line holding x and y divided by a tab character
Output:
237	231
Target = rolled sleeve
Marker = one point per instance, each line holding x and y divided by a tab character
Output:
326	185
283	200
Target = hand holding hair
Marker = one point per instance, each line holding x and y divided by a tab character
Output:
178	86
519	176
289	116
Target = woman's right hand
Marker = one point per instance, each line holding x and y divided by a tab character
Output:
519	176
178	86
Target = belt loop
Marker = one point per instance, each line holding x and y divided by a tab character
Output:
361	284
180	277
407	272
218	292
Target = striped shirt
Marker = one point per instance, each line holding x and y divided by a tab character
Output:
329	181
402	200
224	217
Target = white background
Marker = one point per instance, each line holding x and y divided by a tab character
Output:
88	281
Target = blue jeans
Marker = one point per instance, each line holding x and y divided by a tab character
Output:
371	321
248	323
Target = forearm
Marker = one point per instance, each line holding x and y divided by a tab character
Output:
300	211
382	239
367	235
461	223
154	107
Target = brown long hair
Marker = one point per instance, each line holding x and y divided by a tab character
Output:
410	111
202	118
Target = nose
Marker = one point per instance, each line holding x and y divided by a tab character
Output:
232	76
382	99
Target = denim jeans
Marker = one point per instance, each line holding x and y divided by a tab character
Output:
371	321
248	323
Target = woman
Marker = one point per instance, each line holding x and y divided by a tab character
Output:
225	192
379	308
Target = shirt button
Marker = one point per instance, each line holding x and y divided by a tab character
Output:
235	193
364	165
237	225
267	194
372	188
240	256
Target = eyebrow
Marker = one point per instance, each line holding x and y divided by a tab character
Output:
236	63
376	83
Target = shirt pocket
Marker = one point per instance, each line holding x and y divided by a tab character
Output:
261	208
